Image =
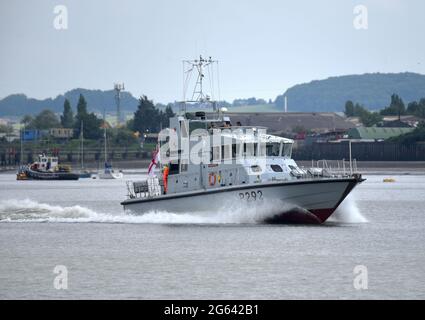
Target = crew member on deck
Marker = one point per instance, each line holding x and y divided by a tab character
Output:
165	177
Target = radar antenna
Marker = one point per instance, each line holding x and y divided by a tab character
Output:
199	67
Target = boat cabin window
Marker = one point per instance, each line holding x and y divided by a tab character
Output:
234	151
174	168
184	130
287	150
276	168
216	154
196	125
226	151
297	172
183	167
250	149
255	168
273	149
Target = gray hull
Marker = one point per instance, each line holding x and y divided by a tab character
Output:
300	201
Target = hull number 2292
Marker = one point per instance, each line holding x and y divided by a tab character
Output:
251	196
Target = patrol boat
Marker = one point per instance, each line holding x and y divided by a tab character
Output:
212	163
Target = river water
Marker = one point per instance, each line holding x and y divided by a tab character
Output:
109	254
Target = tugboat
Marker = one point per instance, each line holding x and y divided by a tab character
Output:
46	168
207	161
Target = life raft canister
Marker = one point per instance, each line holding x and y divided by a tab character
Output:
212	179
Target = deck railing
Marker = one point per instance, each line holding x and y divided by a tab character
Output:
337	168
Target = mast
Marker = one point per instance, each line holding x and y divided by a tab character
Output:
202	68
104	135
22	146
82	144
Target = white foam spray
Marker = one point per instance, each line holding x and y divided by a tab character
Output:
28	210
227	213
32	211
348	212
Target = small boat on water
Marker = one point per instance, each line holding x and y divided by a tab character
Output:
84	173
108	172
46	168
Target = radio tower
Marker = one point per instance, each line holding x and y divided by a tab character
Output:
118	87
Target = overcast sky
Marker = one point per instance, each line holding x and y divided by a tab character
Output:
264	46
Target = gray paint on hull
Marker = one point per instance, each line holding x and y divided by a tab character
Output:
309	195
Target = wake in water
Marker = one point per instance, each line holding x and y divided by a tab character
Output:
227	213
31	211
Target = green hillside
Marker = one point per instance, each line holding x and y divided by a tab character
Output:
371	90
329	95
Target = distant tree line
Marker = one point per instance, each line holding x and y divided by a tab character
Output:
417	135
249	102
396	108
47	119
368	118
222	103
147	118
6	128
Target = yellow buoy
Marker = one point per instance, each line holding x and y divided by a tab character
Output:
389	180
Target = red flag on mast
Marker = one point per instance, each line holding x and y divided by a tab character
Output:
154	162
